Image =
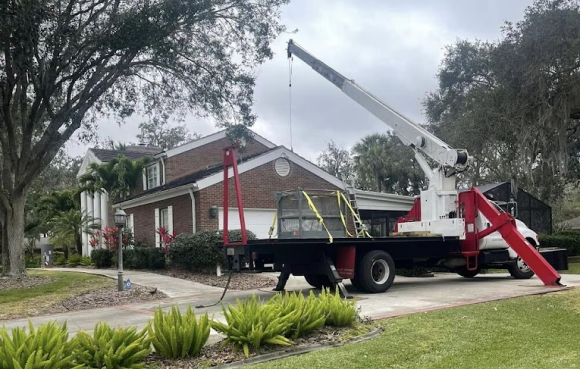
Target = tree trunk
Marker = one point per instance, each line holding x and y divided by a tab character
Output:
4	242
15	236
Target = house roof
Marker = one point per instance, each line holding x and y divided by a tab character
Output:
131	152
192	178
213	175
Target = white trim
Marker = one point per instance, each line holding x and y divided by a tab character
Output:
131	223
211	138
170	219
193	220
156	196
157	238
266	158
90	157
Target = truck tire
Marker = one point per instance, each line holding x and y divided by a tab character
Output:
519	269
317	280
465	273
375	271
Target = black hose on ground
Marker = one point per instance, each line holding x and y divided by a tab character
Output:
221	298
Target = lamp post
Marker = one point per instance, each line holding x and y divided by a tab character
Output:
120	219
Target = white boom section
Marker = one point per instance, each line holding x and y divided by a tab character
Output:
410	133
439	203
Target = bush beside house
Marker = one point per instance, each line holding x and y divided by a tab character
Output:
569	240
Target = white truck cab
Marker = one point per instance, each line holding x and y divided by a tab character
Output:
495	241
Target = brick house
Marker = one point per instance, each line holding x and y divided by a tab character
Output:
182	188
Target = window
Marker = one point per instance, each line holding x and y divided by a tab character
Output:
152	176
163	218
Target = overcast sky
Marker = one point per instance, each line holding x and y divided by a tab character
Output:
391	48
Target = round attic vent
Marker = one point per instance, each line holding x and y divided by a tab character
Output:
282	167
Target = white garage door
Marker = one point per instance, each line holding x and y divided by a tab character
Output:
258	221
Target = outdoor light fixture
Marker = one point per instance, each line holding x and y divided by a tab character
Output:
120	221
213	211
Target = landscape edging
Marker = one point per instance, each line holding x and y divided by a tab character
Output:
280	354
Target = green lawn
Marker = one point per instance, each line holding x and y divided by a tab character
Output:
573	268
30	301
528	332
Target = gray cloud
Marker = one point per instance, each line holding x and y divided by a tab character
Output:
391	48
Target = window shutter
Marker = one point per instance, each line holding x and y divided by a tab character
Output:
131	224
157	238
170	219
145	179
158	174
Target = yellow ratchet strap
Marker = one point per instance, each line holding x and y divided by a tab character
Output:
320	219
273	225
342	215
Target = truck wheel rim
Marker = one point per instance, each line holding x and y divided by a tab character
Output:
380	271
522	265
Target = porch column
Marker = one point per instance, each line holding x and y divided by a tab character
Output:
104	213
84	210
90	213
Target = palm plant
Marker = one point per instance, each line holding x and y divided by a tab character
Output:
67	227
118	177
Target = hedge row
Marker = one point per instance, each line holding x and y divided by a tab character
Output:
137	258
200	252
569	240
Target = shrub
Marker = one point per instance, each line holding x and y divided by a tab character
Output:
32	262
111	348
177	336
339	312
309	312
144	258
47	347
86	261
59	260
102	258
565	240
74	260
250	323
200	252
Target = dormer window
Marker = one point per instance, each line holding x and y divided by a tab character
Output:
153	176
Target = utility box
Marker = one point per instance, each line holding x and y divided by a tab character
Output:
297	218
557	258
46	256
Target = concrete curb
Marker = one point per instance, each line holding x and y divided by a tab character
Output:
280	354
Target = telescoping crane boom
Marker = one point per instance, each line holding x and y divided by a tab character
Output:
440	200
441	210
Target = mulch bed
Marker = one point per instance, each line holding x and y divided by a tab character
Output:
27	281
107	296
215	355
239	281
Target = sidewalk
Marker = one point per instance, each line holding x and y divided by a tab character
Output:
172	287
406	296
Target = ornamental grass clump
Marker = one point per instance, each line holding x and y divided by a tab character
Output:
307	313
44	348
177	336
251	324
339	312
111	348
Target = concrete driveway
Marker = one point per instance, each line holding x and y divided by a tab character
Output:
406	296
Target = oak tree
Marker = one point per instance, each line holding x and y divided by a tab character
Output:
66	63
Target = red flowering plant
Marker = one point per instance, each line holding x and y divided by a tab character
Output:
112	241
95	240
166	238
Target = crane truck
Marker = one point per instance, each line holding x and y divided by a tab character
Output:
446	227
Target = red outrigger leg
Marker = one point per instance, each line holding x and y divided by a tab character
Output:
473	200
231	161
